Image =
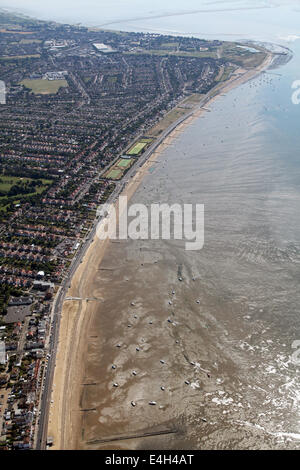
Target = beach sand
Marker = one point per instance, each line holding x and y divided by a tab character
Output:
104	328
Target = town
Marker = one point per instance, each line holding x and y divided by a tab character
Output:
82	106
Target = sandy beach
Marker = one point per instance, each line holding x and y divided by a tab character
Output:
113	318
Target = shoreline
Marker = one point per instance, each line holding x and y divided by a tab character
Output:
76	314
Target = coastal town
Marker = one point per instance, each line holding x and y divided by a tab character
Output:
82	108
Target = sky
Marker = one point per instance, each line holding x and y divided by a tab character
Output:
129	9
249	18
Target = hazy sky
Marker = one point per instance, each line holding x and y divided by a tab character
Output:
112	9
249	18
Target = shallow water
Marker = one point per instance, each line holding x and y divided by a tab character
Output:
235	314
241	160
275	20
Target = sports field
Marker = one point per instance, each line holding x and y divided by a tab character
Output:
114	174
137	148
117	170
124	163
44	87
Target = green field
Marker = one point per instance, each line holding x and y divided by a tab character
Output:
112	79
44	87
195	98
14	187
137	148
117	170
148	140
114	174
13	57
6	182
167	120
225	72
171	46
124	163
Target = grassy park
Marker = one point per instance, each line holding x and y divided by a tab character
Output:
14	189
44	87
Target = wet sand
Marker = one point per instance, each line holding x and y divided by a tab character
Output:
180	348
